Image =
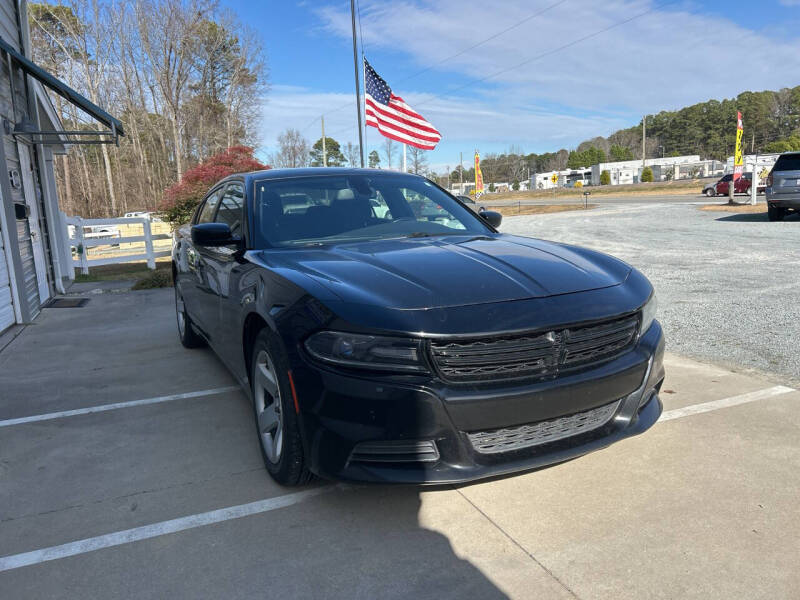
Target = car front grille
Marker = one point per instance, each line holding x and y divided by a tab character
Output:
544	432
538	355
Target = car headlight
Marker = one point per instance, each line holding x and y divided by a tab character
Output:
367	351
649	312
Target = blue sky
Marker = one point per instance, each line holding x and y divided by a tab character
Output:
679	53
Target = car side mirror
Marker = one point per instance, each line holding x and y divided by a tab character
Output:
213	234
493	218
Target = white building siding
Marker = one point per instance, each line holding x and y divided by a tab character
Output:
7	317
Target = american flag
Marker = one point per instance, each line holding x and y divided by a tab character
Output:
393	117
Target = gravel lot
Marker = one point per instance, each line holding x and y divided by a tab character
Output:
728	284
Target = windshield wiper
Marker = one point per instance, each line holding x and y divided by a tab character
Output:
423	234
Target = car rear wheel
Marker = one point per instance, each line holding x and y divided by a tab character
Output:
275	412
775	213
189	337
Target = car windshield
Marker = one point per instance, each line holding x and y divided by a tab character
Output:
329	209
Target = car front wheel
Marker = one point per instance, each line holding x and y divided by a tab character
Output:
710	192
275	411
189	337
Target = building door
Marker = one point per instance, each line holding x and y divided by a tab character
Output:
34	223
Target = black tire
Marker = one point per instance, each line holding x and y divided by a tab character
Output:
186	332
710	192
775	213
287	466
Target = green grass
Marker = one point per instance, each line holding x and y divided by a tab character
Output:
155	279
135	271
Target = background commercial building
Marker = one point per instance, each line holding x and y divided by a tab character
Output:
630	171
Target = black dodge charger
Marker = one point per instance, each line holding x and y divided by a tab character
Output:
384	332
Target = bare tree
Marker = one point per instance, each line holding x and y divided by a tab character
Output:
293	150
517	169
186	79
388	151
352	153
419	160
168	30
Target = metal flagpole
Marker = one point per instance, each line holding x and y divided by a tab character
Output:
355	70
404	159
364	105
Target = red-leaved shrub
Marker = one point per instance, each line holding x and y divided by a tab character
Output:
182	198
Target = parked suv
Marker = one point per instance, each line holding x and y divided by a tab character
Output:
783	186
742	185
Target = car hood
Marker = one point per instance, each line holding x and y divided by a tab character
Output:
445	271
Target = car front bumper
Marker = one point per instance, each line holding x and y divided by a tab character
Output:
382	430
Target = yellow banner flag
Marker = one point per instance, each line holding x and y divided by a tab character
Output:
738	158
478	176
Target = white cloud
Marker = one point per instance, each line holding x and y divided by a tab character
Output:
665	59
462	122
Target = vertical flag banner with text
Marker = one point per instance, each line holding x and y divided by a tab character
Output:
738	159
478	176
390	115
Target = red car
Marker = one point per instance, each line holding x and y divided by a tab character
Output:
742	185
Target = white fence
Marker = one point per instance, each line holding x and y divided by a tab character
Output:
82	234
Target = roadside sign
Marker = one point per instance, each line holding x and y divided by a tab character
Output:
738	157
554	178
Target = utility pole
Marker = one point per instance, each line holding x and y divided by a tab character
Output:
461	172
324	151
644	139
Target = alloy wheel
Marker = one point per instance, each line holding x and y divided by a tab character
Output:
180	311
267	398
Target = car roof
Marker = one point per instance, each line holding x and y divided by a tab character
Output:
313	172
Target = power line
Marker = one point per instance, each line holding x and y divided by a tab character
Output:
482	42
547	53
457	54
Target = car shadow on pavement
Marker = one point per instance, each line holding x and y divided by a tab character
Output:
752	218
372	542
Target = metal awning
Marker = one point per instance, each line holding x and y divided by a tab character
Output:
26	128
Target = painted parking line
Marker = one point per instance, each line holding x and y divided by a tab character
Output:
145	532
119	538
115	406
696	409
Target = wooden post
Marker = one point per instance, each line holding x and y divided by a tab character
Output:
731	187
148	244
80	246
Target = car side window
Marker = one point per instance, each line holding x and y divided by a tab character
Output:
230	208
379	206
426	209
206	214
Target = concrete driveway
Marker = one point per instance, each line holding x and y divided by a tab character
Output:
164	495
